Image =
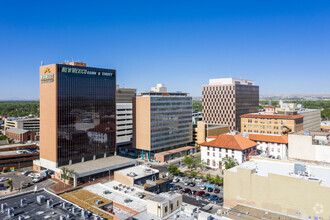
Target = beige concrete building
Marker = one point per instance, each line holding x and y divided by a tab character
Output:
203	130
164	204
137	175
271	124
30	124
294	189
161	121
225	100
310	146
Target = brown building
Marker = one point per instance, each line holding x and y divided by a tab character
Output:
225	100
271	124
77	114
20	135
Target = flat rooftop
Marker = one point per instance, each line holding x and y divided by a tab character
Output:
264	167
164	197
16	146
100	165
33	210
139	171
312	133
124	195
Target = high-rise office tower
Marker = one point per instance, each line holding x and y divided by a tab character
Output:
77	114
225	100
161	121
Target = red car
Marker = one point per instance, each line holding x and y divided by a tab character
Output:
199	193
186	190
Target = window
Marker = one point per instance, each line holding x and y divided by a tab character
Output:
232	156
171	207
249	120
232	151
213	148
213	154
213	163
226	150
278	150
208	153
208	162
177	203
165	209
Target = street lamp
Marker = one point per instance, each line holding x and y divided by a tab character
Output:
21	185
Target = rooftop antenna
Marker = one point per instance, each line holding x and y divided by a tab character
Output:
42	63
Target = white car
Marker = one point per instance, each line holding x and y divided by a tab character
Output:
35	180
32	175
203	187
175	180
3	179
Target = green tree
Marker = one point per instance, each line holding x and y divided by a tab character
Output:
201	177
216	179
189	161
66	174
229	162
208	177
10	183
172	168
177	172
186	173
202	165
193	174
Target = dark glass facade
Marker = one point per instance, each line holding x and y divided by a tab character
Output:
86	114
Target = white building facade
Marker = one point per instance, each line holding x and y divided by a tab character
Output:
236	147
272	146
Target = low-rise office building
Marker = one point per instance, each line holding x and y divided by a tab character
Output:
310	146
137	175
31	124
271	124
294	189
227	145
21	135
274	146
204	130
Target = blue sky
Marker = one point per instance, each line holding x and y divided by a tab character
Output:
283	45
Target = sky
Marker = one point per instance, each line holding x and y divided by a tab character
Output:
284	46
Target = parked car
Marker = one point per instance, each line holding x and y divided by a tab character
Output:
19	152
212	197
186	190
203	187
209	189
220	184
206	195
217	200
216	190
192	184
24	185
36	180
192	193
200	193
187	183
3	179
176	179
178	187
31	175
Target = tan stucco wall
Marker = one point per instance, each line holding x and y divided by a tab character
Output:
48	116
203	133
288	195
152	207
127	180
141	123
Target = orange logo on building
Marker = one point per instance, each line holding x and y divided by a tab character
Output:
47	70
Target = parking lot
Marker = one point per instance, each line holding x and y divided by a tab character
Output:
202	203
19	180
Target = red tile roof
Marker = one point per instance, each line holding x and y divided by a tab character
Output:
272	116
269	138
236	142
